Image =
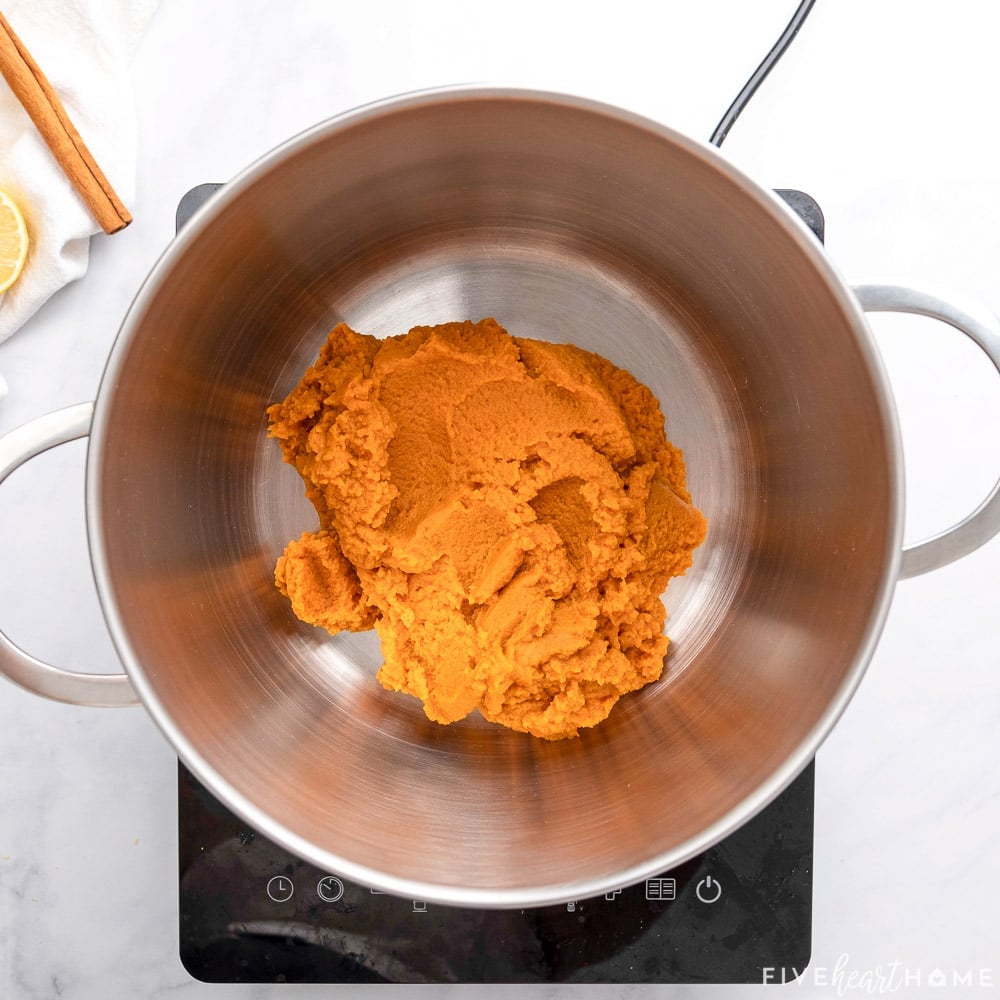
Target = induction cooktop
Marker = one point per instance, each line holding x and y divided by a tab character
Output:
741	912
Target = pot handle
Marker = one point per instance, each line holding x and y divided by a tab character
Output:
979	324
16	448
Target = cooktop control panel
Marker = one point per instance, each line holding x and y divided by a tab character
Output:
739	913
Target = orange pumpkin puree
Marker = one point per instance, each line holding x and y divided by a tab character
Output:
506	513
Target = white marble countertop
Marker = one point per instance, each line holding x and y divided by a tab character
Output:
884	112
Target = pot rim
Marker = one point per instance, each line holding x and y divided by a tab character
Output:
272	827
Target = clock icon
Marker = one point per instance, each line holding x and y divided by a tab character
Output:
329	888
280	888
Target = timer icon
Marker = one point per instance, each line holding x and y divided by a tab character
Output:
329	888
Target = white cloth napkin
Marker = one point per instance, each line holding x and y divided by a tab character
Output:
84	48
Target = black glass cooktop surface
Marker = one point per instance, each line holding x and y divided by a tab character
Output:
741	912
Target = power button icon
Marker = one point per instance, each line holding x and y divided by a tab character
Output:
708	890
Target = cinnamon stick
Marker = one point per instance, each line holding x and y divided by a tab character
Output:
43	106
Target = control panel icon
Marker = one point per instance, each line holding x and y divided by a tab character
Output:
708	890
661	888
280	888
329	888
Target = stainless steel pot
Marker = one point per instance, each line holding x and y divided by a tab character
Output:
566	220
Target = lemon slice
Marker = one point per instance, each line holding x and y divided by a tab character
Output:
13	241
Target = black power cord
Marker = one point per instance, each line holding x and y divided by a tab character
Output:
760	73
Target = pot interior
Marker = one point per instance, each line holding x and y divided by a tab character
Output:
566	222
